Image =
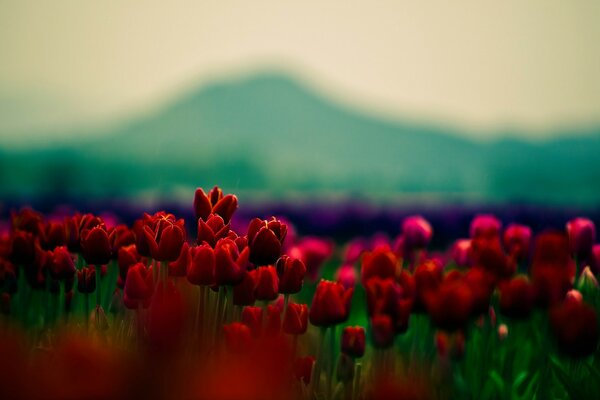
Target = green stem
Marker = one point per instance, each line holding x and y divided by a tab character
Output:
356	391
229	305
316	371
332	352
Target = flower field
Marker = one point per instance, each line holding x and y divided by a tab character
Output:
213	307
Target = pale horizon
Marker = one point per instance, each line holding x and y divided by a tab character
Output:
484	68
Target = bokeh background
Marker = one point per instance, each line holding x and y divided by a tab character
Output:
395	104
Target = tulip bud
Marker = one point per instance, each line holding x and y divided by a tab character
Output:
238	337
517	239
330	304
502	332
575	326
485	226
353	341
587	282
243	292
62	265
95	246
252	318
127	256
214	202
381	263
417	232
382	329
582	235
230	263
86	280
265	239
574	296
179	267
303	368
346	275
212	230
517	297
99	320
201	266
166	239
291	274
462	253
295	320
267	283
139	284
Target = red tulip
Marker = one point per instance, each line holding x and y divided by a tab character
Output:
273	323
353	341
22	248
252	318
575	326
139	284
462	253
86	280
179	267
62	266
215	203
27	220
330	304
428	277
265	239
120	236
451	305
267	283
238	337
165	238
243	292
230	263
384	296
212	230
201	266
481	284
313	252
95	246
517	297
295	321
291	273
417	232
582	235
381	263
517	239
382	329
346	275
127	256
485	226
54	235
303	368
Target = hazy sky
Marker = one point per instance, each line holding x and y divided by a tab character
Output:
530	64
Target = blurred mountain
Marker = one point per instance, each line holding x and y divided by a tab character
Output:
269	134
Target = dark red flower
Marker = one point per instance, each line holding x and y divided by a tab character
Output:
165	237
417	232
462	253
212	230
313	252
381	263
120	236
22	248
330	304
265	239
86	280
62	266
517	297
575	326
303	368
295	320
291	273
252	318
489	255
517	239
95	246
267	283
139	285
482	287
230	263
179	267
238	337
353	341
201	266
243	292
27	220
451	305
428	277
385	296
382	331
54	235
273	323
552	269
346	275
127	256
216	203
485	226
582	235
